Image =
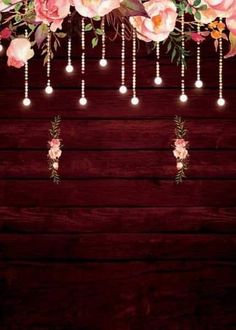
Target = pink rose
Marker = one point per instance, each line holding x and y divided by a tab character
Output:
19	52
220	5
180	153
197	37
52	12
54	153
159	24
5	33
55	143
181	143
92	8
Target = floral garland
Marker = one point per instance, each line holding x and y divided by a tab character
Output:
155	21
54	152
180	149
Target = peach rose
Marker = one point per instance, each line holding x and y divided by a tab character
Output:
179	165
55	165
54	153
55	143
19	52
180	153
52	12
159	24
92	8
4	7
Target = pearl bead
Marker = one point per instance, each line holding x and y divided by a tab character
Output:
83	101
123	89
69	68
49	90
103	62
26	102
198	83
183	98
221	102
135	100
158	80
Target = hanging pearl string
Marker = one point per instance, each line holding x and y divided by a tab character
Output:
158	79
134	99
83	100
183	97
198	82
103	61
69	67
221	100
26	100
1	46
49	88
123	88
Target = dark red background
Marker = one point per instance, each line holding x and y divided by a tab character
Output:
117	245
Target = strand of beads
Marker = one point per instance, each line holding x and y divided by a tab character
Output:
134	99
183	97
221	100
158	79
83	100
49	88
123	88
198	82
26	100
69	67
103	60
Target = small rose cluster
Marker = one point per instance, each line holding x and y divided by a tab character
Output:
54	152
181	153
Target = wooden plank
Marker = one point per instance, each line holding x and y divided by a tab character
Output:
117	134
117	247
117	164
110	104
56	296
118	192
110	76
118	220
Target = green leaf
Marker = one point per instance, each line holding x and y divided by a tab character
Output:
173	55
96	18
196	3
94	42
17	18
18	6
132	8
88	27
61	34
99	32
203	7
198	15
6	2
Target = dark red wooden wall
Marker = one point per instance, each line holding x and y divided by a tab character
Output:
117	245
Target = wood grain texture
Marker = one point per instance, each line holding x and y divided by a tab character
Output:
118	245
118	220
117	192
117	134
116	164
109	77
168	295
154	104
